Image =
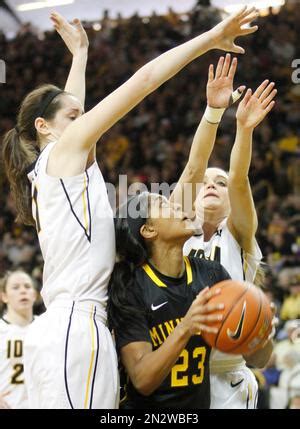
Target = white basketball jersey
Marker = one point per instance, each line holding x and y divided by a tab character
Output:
74	221
11	364
240	265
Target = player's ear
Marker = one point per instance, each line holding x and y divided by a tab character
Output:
148	231
3	297
41	126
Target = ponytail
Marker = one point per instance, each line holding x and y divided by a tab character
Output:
21	144
131	253
18	156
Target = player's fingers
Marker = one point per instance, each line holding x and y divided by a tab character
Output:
246	12
275	321
268	100
247	97
261	88
59	19
209	308
270	107
249	18
233	67
242	12
245	31
78	25
207	295
219	67
211	73
207	328
226	65
210	317
237	49
266	92
273	307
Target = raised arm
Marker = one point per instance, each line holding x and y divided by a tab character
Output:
87	129
219	92
242	220
76	40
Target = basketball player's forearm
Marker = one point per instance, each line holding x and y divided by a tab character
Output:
240	158
171	62
200	152
201	149
155	366
260	358
76	80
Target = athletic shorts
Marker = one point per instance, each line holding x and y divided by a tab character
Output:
70	359
233	390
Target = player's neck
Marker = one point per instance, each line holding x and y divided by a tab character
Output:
168	260
19	318
212	220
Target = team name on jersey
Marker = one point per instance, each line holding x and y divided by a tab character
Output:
215	254
160	333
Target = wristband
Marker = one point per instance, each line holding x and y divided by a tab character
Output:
213	115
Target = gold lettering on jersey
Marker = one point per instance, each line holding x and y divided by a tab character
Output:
170	326
215	254
14	349
156	341
161	332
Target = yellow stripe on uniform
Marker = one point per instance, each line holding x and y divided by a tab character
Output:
148	270
85	205
92	326
189	273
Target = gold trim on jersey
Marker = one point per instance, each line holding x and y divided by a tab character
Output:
148	270
189	274
92	328
84	199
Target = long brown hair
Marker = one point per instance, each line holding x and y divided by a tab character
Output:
21	147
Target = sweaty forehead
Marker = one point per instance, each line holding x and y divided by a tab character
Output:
71	102
214	172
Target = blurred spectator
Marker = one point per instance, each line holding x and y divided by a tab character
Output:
291	305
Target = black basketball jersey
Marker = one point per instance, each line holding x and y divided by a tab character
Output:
162	302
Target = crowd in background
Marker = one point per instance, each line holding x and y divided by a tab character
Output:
151	144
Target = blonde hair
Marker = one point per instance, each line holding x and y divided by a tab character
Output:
3	284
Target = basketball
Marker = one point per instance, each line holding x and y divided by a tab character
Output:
247	318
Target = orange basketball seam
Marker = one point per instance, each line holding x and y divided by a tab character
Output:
228	313
245	340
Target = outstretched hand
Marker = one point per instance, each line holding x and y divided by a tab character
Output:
232	27
220	83
73	35
254	107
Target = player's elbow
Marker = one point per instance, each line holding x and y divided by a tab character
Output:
146	80
143	383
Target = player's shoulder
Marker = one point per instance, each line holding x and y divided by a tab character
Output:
205	264
4	326
211	271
